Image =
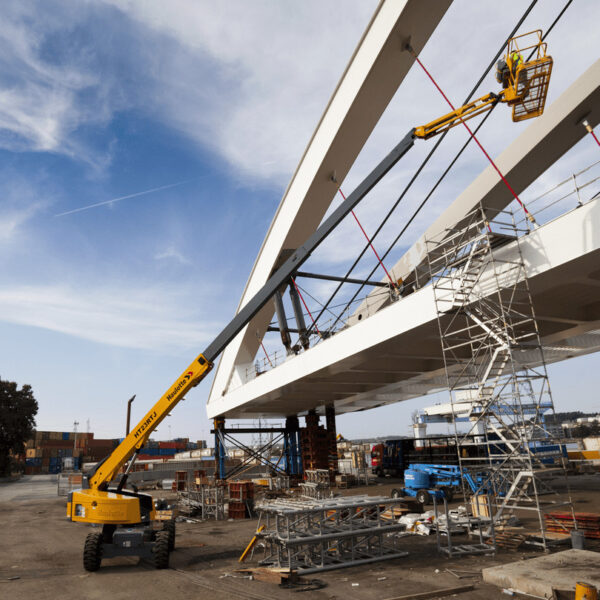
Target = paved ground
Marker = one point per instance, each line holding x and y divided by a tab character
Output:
42	551
29	487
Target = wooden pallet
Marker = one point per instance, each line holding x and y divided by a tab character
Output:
394	512
508	540
166	515
270	575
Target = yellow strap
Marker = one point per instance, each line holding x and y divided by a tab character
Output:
249	547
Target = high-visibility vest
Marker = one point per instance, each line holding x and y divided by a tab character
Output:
516	58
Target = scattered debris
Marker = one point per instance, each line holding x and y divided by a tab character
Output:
463	574
435	593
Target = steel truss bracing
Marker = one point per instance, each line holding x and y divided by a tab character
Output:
321	535
494	359
209	500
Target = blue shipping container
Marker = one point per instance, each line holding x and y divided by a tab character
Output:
65	435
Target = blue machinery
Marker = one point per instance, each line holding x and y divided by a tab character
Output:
427	481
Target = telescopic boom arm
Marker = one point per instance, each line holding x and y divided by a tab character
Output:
200	367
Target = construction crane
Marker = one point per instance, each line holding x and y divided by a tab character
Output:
127	517
524	86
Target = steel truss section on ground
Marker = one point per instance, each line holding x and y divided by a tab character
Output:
209	500
489	337
320	535
473	525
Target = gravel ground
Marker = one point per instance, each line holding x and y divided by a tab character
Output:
40	557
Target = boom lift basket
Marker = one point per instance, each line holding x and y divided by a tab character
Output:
528	81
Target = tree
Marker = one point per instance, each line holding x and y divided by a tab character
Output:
17	420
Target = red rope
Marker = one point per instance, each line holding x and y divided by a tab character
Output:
369	241
529	215
594	136
306	307
262	346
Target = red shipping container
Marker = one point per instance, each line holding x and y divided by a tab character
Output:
148	457
167	444
55	444
100	443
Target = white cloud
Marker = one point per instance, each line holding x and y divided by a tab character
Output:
119	317
249	79
41	102
172	253
11	221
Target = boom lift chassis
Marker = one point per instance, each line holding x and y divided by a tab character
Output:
128	517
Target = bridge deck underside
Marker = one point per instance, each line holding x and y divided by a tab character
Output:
395	355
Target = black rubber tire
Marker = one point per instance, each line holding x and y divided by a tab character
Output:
92	551
170	527
396	493
448	493
161	550
423	497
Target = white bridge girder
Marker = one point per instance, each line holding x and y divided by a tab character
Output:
375	71
395	353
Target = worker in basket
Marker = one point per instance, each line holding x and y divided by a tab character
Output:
516	59
502	73
504	69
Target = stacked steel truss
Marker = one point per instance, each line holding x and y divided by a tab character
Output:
208	500
494	359
320	535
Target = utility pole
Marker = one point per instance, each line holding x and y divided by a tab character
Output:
75	423
129	414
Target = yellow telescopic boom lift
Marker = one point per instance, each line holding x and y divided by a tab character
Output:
128	517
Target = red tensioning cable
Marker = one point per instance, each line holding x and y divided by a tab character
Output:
594	136
369	241
262	346
306	307
476	140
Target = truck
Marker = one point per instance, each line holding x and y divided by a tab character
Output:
392	457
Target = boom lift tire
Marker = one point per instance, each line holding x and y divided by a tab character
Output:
161	550
396	493
92	551
169	526
448	493
423	497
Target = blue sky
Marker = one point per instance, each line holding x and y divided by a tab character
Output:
106	99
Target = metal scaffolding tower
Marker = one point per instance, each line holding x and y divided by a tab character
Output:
494	359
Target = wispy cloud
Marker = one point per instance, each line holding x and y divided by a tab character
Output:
114	200
171	253
144	319
45	98
12	219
